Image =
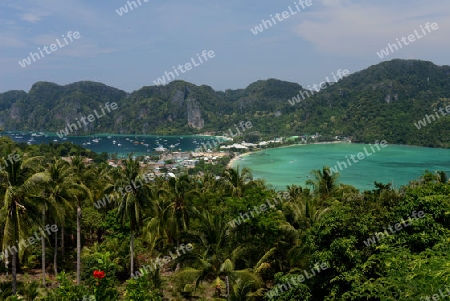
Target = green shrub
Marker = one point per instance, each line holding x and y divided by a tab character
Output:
66	290
140	289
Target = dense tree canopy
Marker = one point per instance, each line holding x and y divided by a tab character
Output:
216	238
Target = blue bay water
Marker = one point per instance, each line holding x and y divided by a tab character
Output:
395	164
136	144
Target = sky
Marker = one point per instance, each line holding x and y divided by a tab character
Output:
134	49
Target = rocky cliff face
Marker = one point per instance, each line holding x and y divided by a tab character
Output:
178	107
194	114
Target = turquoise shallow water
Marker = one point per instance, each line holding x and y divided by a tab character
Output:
394	163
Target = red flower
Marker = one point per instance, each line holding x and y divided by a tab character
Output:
99	274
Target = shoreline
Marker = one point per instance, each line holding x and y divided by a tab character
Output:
229	165
239	157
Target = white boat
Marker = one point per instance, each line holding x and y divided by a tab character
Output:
160	149
95	140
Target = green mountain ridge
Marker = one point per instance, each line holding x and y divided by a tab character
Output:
381	102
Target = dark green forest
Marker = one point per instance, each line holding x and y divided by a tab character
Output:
216	236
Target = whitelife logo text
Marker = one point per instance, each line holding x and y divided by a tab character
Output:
361	156
391	48
305	94
188	66
423	123
280	17
22	244
124	9
73	127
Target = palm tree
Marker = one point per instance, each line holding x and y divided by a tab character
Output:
344	191
132	203
80	169
21	205
441	176
98	179
207	188
304	212
244	291
48	202
324	182
237	182
215	262
296	191
62	189
170	207
161	222
277	257
180	191
301	212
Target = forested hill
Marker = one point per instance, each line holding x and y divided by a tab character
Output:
381	102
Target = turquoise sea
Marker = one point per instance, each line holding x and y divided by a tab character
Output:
395	164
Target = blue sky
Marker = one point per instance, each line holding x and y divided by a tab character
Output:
133	50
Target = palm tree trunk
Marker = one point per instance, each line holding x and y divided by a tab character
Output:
14	259
99	236
228	288
78	244
43	249
14	272
132	253
62	242
55	255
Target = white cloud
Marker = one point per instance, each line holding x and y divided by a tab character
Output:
349	28
33	17
81	47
